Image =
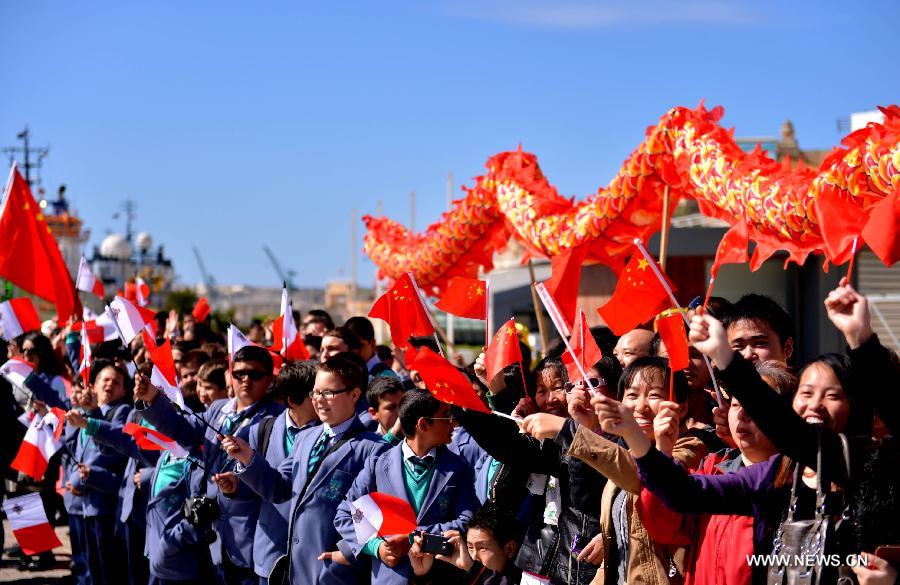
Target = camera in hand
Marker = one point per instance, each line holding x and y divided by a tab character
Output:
436	544
201	511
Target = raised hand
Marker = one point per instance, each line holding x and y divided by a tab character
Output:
460	557
723	431
237	448
543	425
849	311
227	482
76	419
666	426
578	403
708	336
393	549
421	562
618	419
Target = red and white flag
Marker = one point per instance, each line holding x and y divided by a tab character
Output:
87	282
142	291
29	524
378	514
40	443
84	365
163	375
153	440
18	316
288	342
17	370
236	341
131	318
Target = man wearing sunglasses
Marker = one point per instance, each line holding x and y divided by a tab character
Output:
251	373
316	476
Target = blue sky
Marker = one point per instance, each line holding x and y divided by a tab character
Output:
237	124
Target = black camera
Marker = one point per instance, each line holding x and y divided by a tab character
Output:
201	511
436	544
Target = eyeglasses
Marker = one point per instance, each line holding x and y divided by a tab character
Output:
328	394
450	418
593	383
29	350
252	375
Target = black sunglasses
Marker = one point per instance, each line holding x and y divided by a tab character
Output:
594	383
253	375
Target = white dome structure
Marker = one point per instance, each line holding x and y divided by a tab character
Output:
144	242
116	246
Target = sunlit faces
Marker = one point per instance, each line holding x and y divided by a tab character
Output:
820	398
388	410
333	401
208	392
757	341
746	435
438	428
485	549
632	345
697	373
643	395
550	393
109	386
331	346
250	381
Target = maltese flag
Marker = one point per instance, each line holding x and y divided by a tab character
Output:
153	440
130	318
18	316
17	370
163	374
87	282
40	443
378	514
29	524
84	365
287	340
236	341
142	290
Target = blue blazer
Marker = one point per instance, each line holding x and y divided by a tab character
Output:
271	537
73	504
239	513
175	549
132	503
107	466
311	530
464	445
448	505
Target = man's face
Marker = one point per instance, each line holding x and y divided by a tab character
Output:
109	386
485	549
188	372
331	346
437	428
757	341
388	410
697	373
208	392
632	345
550	394
340	407
312	326
250	380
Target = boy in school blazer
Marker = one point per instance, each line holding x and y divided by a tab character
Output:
438	483
317	475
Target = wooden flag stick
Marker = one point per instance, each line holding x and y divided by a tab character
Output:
552	308
666	225
662	280
487	312
542	327
852	258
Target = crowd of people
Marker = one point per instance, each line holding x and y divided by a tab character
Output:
636	474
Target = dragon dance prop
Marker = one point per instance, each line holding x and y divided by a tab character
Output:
686	153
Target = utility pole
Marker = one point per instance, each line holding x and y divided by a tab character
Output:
26	150
351	309
450	328
412	211
379	324
129	207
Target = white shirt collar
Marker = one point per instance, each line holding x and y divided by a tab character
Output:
408	452
340	429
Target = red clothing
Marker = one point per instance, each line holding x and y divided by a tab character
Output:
718	544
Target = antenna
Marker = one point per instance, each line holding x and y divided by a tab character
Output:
27	150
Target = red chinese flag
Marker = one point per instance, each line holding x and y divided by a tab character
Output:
587	352
638	297
445	382
201	310
503	351
465	297
670	327
29	256
402	310
565	280
733	247
840	223
880	232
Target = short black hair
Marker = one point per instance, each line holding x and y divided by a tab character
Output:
345	334
416	404
660	366
101	364
383	352
718	307
362	327
605	338
550	363
655	342
610	370
322	317
295	380
347	370
254	353
196	357
755	307
497	520
382	386
213	372
313	341
424	341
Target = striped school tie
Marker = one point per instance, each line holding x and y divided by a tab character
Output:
318	449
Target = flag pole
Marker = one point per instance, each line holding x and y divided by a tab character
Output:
666	225
659	275
487	312
852	258
542	328
437	327
548	302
